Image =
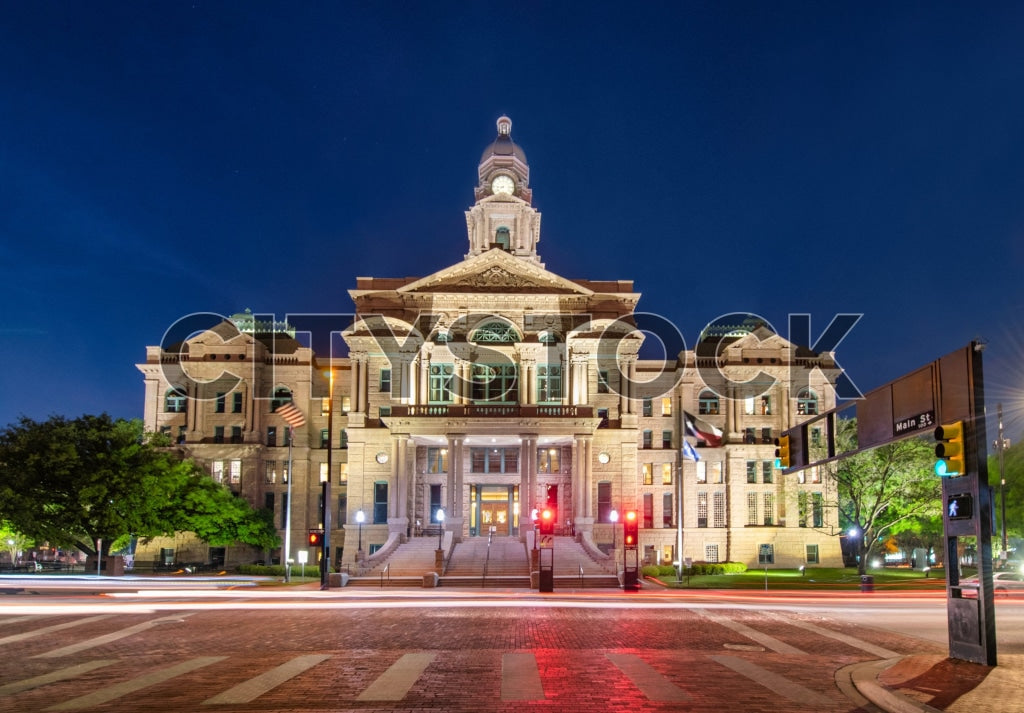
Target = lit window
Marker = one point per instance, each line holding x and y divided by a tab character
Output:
807	403
666	406
707	404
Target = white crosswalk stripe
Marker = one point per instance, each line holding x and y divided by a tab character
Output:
393	684
250	690
651	683
769	642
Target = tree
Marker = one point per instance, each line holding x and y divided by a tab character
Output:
1013	491
12	541
883	488
95	479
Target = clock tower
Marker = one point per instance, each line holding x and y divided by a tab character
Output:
503	217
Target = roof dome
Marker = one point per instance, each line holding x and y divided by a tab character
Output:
504	145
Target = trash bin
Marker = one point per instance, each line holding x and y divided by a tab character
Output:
867	583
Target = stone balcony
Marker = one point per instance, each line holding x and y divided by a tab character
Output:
493	411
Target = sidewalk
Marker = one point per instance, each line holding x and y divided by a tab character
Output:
927	683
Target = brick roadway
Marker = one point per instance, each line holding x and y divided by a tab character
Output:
436	656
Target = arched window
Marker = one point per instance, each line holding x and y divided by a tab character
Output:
175	400
502	238
707	403
495	333
548	337
807	402
282	396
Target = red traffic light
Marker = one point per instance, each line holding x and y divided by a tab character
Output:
547	521
630	527
316	538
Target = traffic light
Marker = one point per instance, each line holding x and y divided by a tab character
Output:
782	452
631	529
316	538
547	521
949	451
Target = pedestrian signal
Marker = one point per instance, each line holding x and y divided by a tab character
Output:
547	522
949	451
316	538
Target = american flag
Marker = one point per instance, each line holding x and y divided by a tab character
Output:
290	413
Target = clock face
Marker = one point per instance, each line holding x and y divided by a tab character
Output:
503	184
382	457
603	457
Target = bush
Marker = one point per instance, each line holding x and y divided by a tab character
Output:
698	568
277	570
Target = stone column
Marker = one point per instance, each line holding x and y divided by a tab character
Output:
398	514
454	515
527	482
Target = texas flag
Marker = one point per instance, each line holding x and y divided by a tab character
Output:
702	430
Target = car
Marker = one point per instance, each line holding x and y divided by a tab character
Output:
1002	582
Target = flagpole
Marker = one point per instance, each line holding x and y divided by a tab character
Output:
679	516
288	511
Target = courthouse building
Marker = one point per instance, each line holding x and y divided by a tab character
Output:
494	387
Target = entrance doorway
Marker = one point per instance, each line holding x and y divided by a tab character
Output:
494	506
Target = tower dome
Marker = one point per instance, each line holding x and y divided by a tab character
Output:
503	145
504	156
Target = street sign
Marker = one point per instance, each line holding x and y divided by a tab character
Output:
547	541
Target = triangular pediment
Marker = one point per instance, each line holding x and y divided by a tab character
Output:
496	271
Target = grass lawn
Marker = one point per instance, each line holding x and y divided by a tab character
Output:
826	578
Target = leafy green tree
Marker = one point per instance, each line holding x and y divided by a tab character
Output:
1013	491
882	489
76	482
13	541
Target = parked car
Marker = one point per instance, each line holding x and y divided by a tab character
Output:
1002	583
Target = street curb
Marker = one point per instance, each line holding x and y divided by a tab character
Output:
864	677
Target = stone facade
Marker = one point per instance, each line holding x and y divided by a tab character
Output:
494	387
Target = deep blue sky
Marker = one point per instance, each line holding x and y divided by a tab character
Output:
160	159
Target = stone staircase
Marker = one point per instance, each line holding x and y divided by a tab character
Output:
488	562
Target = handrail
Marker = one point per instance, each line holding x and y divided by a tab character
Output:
487	560
387	571
581	576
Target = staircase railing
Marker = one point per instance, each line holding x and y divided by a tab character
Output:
386	571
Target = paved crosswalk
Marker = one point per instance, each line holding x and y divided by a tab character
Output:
388	676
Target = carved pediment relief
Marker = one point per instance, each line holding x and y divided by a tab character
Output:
498	272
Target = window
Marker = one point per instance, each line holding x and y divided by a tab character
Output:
236	402
702	471
284	471
385	381
236	434
666	406
604	501
346	404
816	437
602	382
380	503
751	509
495	333
757	406
271	436
282	395
324	474
707	404
702	509
495	382
343	472
268	502
751	471
343	440
710	553
801	509
549	383
494	460
769	508
648	473
284	510
766	554
549	460
648	407
602	413
383	411
287	436
501	238
749	435
435	502
666	439
766	435
666	474
716	471
437	460
666	510
718	503
818	504
175	400
221	402
766	471
270	472
807	402
325	437
235	472
218	434
648	439
217	471
812	554
441	376
343	506
648	511
815	474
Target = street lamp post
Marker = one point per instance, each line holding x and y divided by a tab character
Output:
1001	445
440	526
360	518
